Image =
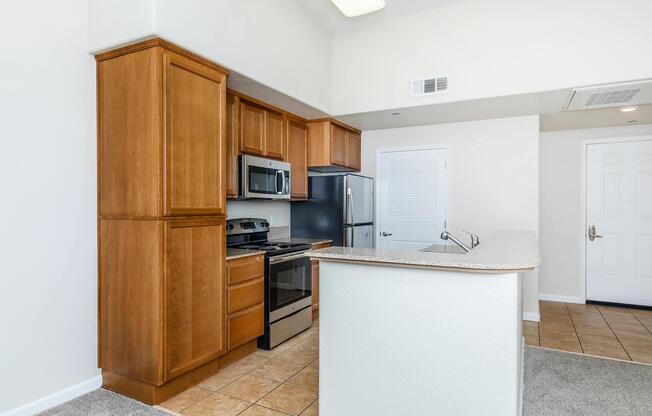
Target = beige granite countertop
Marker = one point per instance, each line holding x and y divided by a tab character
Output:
503	251
312	241
236	253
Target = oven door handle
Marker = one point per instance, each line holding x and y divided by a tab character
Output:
283	259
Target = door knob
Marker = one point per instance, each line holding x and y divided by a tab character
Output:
592	233
384	234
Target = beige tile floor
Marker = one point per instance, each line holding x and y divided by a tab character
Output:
605	331
280	382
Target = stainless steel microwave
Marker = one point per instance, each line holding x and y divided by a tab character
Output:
264	178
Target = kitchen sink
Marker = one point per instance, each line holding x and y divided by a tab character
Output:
444	248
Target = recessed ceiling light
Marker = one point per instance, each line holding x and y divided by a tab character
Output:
396	114
629	109
353	8
632	121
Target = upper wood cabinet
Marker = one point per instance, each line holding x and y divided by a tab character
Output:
353	150
297	134
232	147
333	147
252	129
274	138
161	133
195	138
261	131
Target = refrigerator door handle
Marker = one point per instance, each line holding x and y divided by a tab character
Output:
349	197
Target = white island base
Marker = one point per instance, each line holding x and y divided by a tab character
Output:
410	341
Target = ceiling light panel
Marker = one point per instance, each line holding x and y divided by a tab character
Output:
353	8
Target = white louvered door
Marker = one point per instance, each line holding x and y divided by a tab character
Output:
412	198
619	215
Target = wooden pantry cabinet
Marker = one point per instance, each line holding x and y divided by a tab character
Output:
162	169
333	146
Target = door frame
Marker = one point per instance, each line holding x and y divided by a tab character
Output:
379	153
583	196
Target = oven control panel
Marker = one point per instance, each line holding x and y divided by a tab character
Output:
246	226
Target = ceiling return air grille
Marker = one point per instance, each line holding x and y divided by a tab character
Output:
615	95
437	84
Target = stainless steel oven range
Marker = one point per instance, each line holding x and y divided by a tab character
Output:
288	280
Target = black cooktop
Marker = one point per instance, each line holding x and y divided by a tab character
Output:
276	248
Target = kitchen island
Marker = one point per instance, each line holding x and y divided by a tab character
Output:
417	333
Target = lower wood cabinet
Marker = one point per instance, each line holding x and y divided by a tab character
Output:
315	280
162	297
245	299
195	330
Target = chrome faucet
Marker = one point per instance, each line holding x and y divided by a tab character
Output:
448	236
475	240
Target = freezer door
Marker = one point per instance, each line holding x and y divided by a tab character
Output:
360	236
359	201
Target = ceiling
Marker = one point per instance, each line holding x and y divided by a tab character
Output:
333	20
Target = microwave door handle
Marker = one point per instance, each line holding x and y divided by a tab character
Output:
276	183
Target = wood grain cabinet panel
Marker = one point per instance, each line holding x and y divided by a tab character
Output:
245	295
130	297
297	134
232	146
338	146
353	144
246	326
315	285
252	129
274	137
129	142
194	294
195	142
243	269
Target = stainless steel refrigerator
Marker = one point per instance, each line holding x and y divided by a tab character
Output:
339	208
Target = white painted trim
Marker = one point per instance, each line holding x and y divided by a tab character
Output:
562	298
531	316
582	232
377	178
56	398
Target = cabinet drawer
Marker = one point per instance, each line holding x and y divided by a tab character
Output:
246	326
244	269
246	295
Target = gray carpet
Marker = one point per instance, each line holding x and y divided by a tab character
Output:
556	384
103	403
562	384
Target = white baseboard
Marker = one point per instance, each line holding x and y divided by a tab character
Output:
531	316
56	398
560	298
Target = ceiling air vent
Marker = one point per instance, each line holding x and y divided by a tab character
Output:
605	96
434	85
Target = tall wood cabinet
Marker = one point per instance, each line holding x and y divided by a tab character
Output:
162	163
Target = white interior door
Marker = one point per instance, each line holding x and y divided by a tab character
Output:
412	198
619	207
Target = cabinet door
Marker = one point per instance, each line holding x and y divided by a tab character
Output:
195	296
252	129
274	138
195	98
298	158
315	285
232	148
338	145
353	150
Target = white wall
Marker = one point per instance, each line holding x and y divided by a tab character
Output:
493	174
491	48
276	212
561	229
276	43
48	288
